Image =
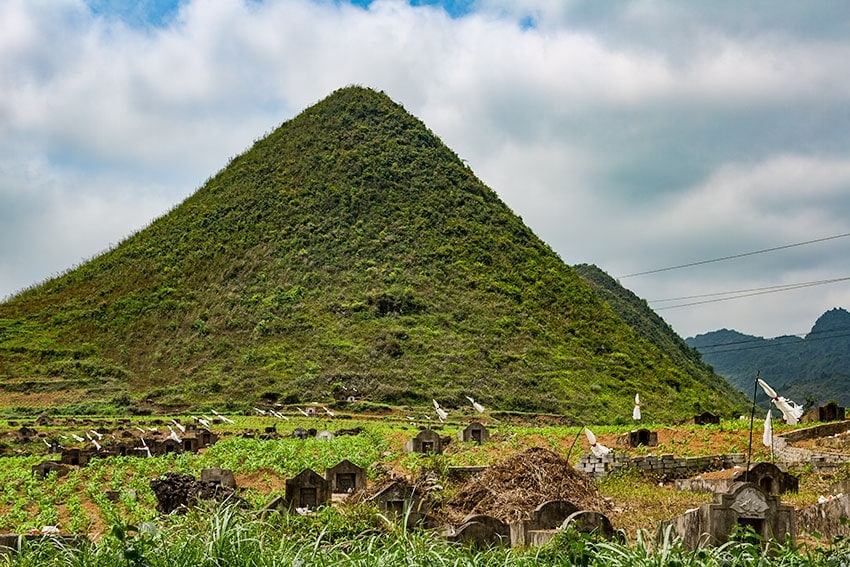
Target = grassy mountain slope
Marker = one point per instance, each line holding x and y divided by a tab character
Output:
816	367
351	248
649	325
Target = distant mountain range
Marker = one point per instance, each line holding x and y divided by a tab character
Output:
813	369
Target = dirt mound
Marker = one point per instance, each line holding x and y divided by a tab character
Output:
511	489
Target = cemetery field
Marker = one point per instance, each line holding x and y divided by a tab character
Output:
110	498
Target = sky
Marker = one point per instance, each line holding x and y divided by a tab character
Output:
636	136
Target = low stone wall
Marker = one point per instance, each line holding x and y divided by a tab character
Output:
824	430
799	457
829	519
662	465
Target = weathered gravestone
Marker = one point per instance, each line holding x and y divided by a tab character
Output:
830	411
345	477
475	432
427	441
767	475
589	522
216	476
746	505
705	418
639	437
481	530
306	491
42	469
547	516
402	501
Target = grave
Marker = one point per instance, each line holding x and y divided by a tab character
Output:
706	418
827	518
216	476
827	412
590	522
300	433
745	505
400	499
767	475
44	468
346	477
427	441
324	435
639	437
76	457
481	531
308	490
547	516
475	432
43	420
26	434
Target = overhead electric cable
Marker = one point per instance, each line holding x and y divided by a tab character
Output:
744	293
772	344
734	256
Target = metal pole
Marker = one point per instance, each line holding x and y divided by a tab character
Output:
574	442
752	418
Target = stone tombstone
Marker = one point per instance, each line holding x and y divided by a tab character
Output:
166	446
547	516
475	432
427	441
706	418
307	490
771	478
639	437
345	477
26	434
205	438
590	522
827	412
324	435
218	477
42	469
400	499
481	530
75	456
43	420
767	475
745	505
300	433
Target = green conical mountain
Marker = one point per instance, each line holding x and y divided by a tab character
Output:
349	248
649	325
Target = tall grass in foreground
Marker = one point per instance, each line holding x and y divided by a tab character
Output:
232	537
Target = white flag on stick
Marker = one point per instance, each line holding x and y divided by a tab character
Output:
767	438
597	449
791	411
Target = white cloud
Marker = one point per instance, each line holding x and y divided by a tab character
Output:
632	136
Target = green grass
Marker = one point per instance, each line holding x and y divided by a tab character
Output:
227	536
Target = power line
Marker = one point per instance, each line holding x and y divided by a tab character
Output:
767	344
739	294
752	339
734	256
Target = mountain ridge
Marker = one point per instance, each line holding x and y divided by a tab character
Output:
815	368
